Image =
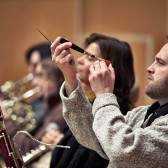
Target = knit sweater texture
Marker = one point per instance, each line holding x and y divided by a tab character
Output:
118	138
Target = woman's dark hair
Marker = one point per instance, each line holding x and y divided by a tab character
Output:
51	69
43	49
120	55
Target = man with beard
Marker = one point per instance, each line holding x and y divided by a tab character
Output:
137	140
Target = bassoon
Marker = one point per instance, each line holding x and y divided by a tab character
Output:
8	149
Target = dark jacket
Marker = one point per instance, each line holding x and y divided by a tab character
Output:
77	156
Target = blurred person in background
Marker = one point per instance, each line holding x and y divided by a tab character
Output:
49	78
35	54
120	55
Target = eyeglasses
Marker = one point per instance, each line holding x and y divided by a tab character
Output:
39	74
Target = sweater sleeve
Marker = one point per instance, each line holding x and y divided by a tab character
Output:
77	112
124	144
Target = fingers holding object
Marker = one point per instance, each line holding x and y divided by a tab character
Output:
55	44
96	67
57	48
61	50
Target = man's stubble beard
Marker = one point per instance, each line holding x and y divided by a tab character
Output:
158	89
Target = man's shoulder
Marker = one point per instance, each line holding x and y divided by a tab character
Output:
137	113
141	108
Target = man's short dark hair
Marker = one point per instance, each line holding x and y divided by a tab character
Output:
43	49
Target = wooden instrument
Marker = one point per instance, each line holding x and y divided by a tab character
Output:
8	149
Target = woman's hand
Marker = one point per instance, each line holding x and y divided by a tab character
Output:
101	78
52	137
63	58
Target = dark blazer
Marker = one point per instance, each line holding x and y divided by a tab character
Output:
77	156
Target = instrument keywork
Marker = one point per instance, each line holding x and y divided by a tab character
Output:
9	151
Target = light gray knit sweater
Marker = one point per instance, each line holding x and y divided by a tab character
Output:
119	139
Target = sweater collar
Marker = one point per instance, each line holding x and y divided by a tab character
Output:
154	111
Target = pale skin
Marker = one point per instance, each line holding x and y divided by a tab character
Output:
34	60
82	72
52	137
83	63
158	75
99	72
61	55
102	77
47	86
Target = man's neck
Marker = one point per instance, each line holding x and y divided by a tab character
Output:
163	101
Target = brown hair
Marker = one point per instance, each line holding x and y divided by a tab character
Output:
51	69
120	55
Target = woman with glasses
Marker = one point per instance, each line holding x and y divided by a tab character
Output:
48	78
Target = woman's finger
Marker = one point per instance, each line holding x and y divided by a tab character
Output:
55	44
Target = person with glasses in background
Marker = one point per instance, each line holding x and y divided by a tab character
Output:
48	77
33	55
